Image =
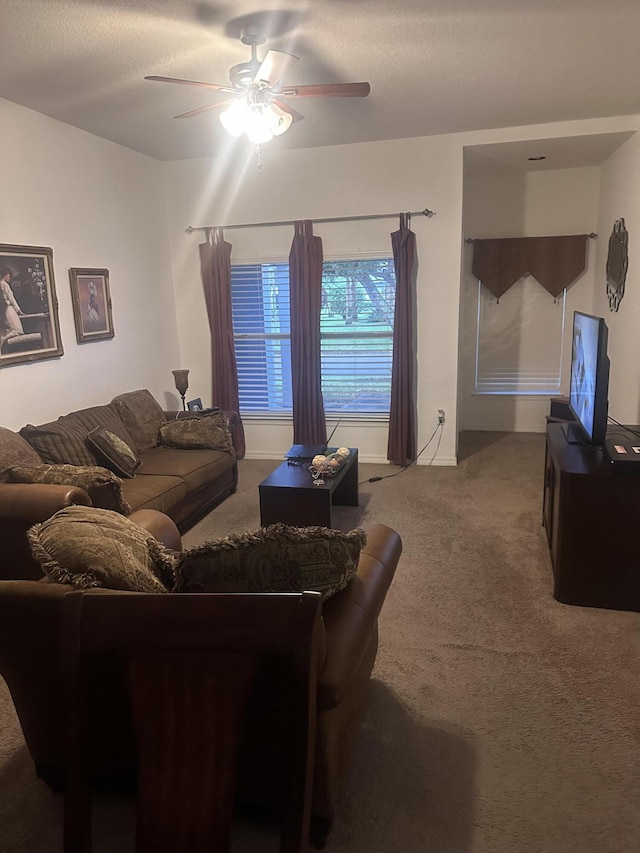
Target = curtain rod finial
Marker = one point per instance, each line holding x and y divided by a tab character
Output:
429	213
189	229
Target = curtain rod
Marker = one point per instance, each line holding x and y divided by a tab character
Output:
426	212
473	240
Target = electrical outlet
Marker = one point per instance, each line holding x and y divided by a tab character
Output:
440	416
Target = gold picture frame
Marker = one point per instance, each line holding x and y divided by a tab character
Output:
29	327
91	299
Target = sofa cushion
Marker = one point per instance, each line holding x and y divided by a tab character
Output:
60	443
103	486
142	415
278	558
210	431
197	468
159	492
14	450
65	440
89	547
114	453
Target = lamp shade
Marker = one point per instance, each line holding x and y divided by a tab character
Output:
278	120
182	381
258	117
234	119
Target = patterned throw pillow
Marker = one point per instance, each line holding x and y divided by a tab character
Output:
200	431
142	416
113	452
102	486
278	558
88	547
15	450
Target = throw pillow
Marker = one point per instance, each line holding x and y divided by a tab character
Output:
102	486
15	450
200	431
88	547
142	416
113	452
278	558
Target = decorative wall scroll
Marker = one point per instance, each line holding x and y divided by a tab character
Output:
617	263
29	329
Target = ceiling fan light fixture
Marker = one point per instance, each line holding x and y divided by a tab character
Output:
235	119
257	128
259	121
279	120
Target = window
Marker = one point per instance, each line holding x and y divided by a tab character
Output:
356	326
519	343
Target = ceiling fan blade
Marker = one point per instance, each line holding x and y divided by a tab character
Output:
324	90
199	110
295	115
273	67
192	83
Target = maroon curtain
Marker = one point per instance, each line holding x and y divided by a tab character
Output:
401	447
305	286
556	262
215	264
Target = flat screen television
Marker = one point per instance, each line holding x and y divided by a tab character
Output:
588	395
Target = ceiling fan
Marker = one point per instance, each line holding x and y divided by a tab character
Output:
256	106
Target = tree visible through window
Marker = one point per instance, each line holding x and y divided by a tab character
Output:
358	301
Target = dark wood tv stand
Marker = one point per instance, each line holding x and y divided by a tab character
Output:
591	513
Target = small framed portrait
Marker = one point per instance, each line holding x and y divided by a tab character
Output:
195	405
91	304
29	328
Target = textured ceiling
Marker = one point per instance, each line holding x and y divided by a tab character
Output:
435	66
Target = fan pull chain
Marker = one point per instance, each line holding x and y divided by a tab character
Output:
258	157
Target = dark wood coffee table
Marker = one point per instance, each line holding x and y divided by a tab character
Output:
290	496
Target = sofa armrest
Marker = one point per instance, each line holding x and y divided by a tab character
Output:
160	526
21	506
32	502
351	616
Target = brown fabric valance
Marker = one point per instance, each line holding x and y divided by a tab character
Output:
556	262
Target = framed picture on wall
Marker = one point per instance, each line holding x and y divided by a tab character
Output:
29	328
91	304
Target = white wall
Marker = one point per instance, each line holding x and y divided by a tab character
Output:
509	204
95	204
98	204
371	178
620	198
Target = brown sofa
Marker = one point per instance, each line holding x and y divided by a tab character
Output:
29	661
185	484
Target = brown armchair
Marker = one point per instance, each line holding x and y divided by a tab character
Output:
192	661
30	620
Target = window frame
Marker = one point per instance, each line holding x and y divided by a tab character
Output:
345	415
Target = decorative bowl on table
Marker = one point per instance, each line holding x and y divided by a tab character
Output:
328	466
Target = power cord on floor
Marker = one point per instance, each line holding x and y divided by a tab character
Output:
440	427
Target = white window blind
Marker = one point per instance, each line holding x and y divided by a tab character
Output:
519	341
358	303
260	308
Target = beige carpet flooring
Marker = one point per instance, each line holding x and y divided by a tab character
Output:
500	721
